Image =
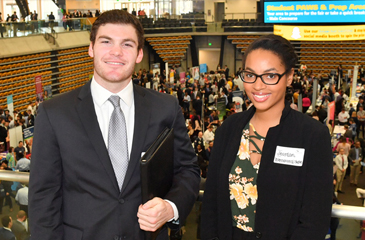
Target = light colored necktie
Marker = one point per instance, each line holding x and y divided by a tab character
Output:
117	141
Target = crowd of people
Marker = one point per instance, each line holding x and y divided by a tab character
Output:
15	229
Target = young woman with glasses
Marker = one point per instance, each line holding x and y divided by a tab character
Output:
270	172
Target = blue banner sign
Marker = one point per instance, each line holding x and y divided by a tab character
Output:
315	12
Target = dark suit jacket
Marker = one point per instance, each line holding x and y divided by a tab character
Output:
19	230
6	234
73	192
352	155
293	202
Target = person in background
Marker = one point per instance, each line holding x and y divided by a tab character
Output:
10	157
51	19
7	187
306	102
34	18
344	145
339	72
208	135
334	221
23	164
20	226
355	158
19	151
342	164
14	19
22	198
352	127
361	121
209	149
5	231
1	25
348	132
343	117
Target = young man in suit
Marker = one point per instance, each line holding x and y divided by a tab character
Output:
81	185
5	231
20	226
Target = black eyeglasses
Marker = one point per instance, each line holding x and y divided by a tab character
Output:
267	78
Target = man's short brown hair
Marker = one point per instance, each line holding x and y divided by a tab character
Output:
118	17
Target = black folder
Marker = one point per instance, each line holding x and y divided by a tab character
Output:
157	169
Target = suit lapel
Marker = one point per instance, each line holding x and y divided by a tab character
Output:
141	121
86	111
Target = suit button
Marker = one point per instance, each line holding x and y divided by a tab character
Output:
258	235
121	201
116	238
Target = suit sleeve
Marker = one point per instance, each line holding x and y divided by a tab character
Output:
45	183
351	155
316	208
185	186
209	215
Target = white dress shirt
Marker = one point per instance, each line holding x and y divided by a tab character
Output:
338	161
22	196
343	117
104	109
208	136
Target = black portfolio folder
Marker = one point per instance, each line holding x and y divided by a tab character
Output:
157	169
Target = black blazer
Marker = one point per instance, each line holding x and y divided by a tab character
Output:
6	234
352	155
73	192
293	202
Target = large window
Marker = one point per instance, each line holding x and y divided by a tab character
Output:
184	6
49	6
147	6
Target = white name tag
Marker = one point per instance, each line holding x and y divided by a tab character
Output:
289	156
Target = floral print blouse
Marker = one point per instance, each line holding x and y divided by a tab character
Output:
242	183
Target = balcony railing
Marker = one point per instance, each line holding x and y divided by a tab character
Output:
339	211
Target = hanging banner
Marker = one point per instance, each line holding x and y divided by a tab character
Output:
9	101
203	68
156	69
28	133
182	77
221	107
172	76
321	33
28	137
195	73
38	88
47	93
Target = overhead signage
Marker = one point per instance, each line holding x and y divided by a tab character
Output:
314	12
321	33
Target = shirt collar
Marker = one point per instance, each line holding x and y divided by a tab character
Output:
7	229
101	95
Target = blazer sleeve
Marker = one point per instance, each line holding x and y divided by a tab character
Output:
185	187
352	155
45	183
209	218
315	213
